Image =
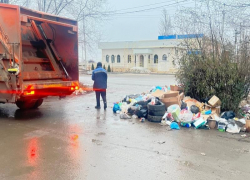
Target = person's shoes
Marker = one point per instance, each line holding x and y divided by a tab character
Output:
97	107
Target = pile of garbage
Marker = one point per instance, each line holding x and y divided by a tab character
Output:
168	106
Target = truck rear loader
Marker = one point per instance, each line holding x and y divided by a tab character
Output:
38	56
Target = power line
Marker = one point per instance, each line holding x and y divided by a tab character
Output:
143	10
142	6
236	6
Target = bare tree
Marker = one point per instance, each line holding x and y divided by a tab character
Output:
165	24
5	1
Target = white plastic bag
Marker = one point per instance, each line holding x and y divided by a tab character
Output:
233	128
186	116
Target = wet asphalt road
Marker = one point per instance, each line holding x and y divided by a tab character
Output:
69	139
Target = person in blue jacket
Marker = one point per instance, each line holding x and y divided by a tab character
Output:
99	76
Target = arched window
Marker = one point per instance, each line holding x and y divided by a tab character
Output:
164	57
156	59
118	58
148	59
129	58
112	59
107	58
141	61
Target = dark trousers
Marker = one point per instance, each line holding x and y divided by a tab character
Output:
102	93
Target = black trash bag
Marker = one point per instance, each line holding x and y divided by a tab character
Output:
142	113
194	109
183	105
228	115
205	100
131	111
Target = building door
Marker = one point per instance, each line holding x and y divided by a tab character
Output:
141	61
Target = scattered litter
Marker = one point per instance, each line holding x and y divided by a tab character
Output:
134	117
174	125
98	142
142	120
243	135
124	116
161	142
203	154
116	108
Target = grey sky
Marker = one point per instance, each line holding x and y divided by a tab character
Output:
137	26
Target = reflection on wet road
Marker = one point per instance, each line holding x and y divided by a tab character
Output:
69	139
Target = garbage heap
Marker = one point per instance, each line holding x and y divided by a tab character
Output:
169	106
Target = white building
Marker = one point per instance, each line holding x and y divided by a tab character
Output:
155	55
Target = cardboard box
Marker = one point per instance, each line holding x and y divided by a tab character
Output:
214	101
200	105
182	96
176	88
215	110
248	125
190	101
170	98
158	93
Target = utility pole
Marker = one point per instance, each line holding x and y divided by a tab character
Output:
84	41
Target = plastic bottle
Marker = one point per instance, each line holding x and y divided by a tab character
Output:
153	101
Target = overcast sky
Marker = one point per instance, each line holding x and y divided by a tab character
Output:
137	26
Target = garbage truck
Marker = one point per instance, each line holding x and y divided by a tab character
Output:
38	56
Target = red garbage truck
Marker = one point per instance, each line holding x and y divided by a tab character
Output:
38	56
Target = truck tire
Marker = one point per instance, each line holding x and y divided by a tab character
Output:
157	113
38	103
156	107
23	105
156	119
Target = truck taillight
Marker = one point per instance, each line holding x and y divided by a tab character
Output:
76	88
27	93
72	88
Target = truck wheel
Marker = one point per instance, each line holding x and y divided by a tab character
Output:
38	103
28	104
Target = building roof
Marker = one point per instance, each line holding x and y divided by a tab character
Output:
141	44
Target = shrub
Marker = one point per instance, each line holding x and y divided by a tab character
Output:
223	75
104	67
92	67
109	70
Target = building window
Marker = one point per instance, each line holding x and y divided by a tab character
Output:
112	59
148	59
141	61
129	58
118	58
107	58
164	57
156	59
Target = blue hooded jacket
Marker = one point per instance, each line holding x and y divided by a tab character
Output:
99	76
